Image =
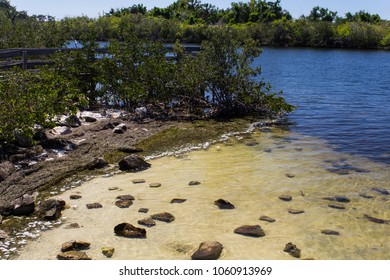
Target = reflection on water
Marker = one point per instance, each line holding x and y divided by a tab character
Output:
251	172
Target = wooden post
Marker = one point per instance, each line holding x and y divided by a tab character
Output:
24	59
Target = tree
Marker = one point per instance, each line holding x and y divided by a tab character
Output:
322	14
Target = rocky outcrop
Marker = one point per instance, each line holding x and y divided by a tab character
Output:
129	231
209	250
133	163
253	231
51	209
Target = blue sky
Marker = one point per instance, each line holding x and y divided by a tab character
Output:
94	8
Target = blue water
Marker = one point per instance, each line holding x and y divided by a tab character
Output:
343	96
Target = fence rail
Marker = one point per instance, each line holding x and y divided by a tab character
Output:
19	57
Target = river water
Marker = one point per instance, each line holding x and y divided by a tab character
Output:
337	146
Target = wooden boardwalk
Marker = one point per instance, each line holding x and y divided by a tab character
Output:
20	57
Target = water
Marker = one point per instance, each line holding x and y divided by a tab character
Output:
343	96
337	147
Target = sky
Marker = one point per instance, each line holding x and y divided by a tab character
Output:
94	8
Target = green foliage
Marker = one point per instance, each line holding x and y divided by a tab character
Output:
28	99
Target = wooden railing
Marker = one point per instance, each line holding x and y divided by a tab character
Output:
19	57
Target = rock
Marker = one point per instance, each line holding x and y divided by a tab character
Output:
89	119
125	197
149	222
3	234
343	199
223	204
113	188
178	200
94	205
154	185
193	183
289	175
376	220
51	209
23	206
74	245
364	195
120	129
129	231
285	197
108	251
330	232
130	150
61	130
133	163
6	169
337	206
209	250
381	191
267	219
143	210
139	181
73	121
295	211
292	250
73	255
124	203
58	144
72	225
253	231
75	196
97	163
163	217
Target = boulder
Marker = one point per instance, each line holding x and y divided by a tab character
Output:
108	251
292	250
149	222
74	245
23	206
253	231
223	204
133	163
129	231
139	181
73	255
51	209
209	250
163	217
6	169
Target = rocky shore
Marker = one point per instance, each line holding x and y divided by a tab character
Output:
79	144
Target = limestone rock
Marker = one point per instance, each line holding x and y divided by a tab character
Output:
129	231
292	250
23	206
163	217
73	255
120	128
51	209
133	163
253	231
149	222
108	251
74	245
223	204
89	119
209	250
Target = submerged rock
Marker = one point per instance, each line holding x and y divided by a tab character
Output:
253	231
267	219
129	231
330	232
143	210
295	211
365	195
337	206
376	220
292	250
108	251
154	185
194	183
73	255
133	163
123	203
139	181
95	205
381	191
285	197
339	198
209	250
74	245
149	222
125	197
178	200
223	204
163	217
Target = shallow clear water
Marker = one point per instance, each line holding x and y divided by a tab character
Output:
338	146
